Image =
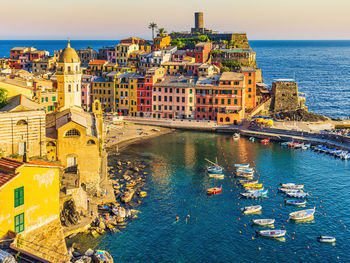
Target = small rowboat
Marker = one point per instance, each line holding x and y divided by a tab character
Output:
289	190
295	202
263	222
245	175
252	139
253	185
245	170
248	181
297	195
271	233
236	136
214	191
241	165
326	239
256	191
251	209
215	169
265	141
217	176
254	195
302	215
292	186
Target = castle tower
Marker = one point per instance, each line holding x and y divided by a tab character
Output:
68	79
198	20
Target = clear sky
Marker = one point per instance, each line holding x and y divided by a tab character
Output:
116	19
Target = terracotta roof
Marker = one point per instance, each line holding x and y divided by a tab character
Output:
97	62
9	164
5	177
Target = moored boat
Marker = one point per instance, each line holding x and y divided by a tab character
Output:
252	185
306	214
289	190
272	233
245	170
251	209
295	202
245	175
263	222
254	195
326	239
248	181
252	139
265	141
215	169
241	165
297	195
236	136
292	186
214	190
217	176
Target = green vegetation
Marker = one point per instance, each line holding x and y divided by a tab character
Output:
231	64
152	26
161	32
3	97
189	42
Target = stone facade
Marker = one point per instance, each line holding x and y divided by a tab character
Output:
285	96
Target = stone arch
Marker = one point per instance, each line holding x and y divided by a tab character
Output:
22	122
91	142
72	133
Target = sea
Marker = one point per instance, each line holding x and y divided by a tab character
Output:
321	68
212	228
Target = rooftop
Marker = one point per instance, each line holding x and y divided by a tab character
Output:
98	62
177	81
231	76
248	69
5	177
20	100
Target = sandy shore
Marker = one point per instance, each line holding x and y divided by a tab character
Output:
118	137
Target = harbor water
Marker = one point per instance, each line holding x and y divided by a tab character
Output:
212	228
321	68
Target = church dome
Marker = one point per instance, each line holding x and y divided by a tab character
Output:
69	55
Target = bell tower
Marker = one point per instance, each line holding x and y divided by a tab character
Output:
68	79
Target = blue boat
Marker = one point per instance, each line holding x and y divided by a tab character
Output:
298	195
215	169
241	165
295	202
245	170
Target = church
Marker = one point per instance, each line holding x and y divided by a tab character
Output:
74	137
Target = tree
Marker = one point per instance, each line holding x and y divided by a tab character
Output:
161	31
152	26
3	97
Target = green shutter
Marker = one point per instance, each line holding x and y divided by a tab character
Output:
235	101
19	223
53	98
19	196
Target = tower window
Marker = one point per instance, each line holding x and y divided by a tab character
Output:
77	87
69	88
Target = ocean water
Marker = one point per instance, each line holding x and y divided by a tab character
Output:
216	231
321	68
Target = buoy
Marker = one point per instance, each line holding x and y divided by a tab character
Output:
240	232
239	219
267	197
339	221
287	220
252	238
315	255
283	226
275	194
280	215
314	188
307	247
310	194
324	214
344	226
244	225
320	206
274	250
293	233
321	201
272	191
280	205
292	238
259	248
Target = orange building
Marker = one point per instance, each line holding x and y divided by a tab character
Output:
161	42
250	87
221	98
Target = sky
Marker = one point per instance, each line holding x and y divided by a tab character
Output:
117	19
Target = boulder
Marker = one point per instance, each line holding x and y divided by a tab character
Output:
89	252
76	254
87	259
102	225
128	194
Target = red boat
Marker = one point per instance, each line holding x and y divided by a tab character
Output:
265	141
214	191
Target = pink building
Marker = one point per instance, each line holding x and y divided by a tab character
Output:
111	56
86	91
174	97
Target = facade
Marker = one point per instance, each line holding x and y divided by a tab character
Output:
245	56
103	91
20	184
201	52
133	40
161	42
286	96
86	56
41	66
250	87
126	93
22	128
103	52
122	52
221	98
86	91
14	89
174	97
97	66
47	99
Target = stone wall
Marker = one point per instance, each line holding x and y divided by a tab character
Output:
285	96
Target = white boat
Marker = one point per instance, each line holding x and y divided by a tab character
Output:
245	170
245	175
119	212
263	222
241	165
272	233
292	186
289	190
217	176
297	195
236	136
215	169
252	139
242	182
251	209
254	195
306	214
295	202
326	239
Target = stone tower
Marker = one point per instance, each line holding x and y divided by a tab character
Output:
68	79
286	96
198	20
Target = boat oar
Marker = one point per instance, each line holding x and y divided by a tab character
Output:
211	162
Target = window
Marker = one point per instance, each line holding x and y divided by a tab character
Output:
159	107
72	133
170	107
69	88
42	99
235	92
154	107
203	101
249	96
190	91
77	87
235	101
165	107
159	98
198	100
19	223
190	99
183	99
165	98
177	107
47	99
250	74
250	89
178	99
216	101
222	101
183	91
250	81
229	101
177	90
19	196
154	98
170	99
91	142
183	108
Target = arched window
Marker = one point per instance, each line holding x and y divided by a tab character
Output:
72	133
76	68
50	144
227	119
69	88
91	142
69	68
77	87
221	119
22	122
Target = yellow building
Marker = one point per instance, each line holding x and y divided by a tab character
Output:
126	93
122	52
161	42
14	89
103	91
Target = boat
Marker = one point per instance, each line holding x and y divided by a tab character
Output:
289	190
258	190
252	139
248	181
263	222
292	186
215	169
251	209
217	176
306	214
214	190
102	256
253	185
241	165
254	189
271	233
265	141
245	175
245	170
236	136
254	195
297	195
285	144
326	239
295	202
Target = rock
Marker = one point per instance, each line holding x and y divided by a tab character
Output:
76	254
136	169
87	259
128	194
102	225
119	163
120	220
89	252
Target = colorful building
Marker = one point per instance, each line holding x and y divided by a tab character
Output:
201	52
161	42
122	52
221	98
96	67
250	87
103	91
86	56
86	91
126	93
174	97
